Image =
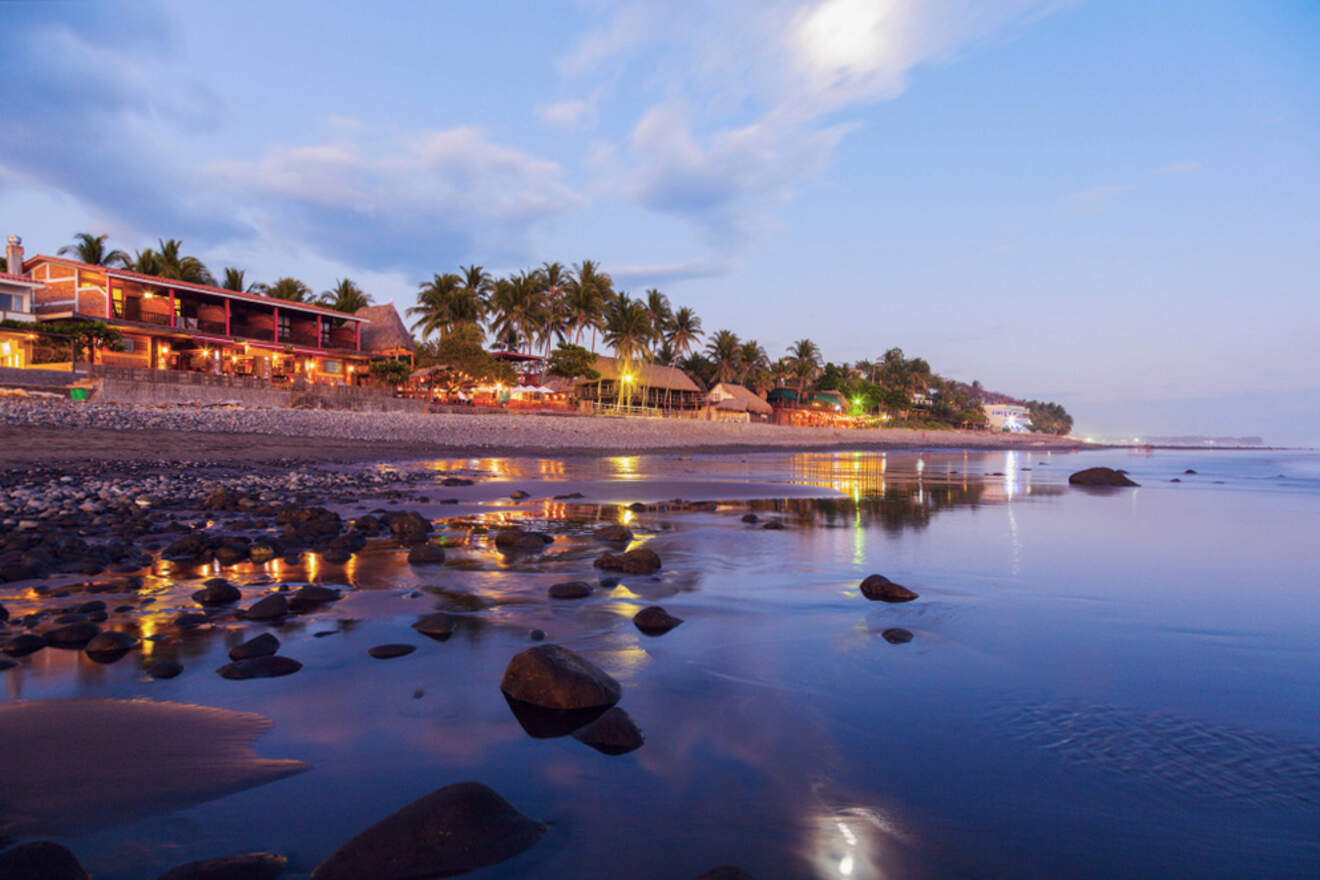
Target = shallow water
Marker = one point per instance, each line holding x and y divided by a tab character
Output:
1101	683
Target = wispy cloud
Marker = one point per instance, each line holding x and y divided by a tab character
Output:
647	276
1098	196
570	113
1187	167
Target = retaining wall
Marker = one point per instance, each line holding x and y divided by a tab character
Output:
151	387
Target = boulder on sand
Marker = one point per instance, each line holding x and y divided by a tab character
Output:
426	554
259	667
270	607
896	635
73	635
437	625
570	590
879	588
553	677
613	733
455	829
389	652
264	645
614	533
1100	476
654	620
638	561
249	866
217	591
40	859
109	646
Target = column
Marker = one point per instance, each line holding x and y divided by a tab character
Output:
277	323
227	333
357	335
174	309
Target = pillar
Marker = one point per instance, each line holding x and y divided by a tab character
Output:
174	309
319	338
227	333
357	335
277	323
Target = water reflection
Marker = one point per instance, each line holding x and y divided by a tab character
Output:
850	844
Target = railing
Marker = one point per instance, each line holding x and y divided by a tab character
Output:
211	327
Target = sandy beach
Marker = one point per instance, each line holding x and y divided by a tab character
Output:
46	431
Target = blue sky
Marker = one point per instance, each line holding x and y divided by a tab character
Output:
1111	204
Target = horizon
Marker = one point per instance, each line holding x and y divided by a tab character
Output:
1112	207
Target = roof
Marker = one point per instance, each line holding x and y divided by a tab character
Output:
386	331
20	279
649	375
727	395
515	356
188	285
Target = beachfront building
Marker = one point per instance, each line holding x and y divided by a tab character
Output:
385	334
177	325
730	398
16	295
1007	417
652	387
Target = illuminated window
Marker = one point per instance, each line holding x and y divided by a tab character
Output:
117	301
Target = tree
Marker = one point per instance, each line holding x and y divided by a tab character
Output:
290	289
170	262
445	302
234	280
753	363
724	351
662	314
390	372
86	336
569	362
556	324
1049	418
465	360
629	332
345	296
589	293
805	358
684	331
518	308
90	248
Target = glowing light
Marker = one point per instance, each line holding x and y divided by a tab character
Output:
627	377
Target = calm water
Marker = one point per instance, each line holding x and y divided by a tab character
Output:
1101	683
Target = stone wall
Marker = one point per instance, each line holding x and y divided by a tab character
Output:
150	387
35	377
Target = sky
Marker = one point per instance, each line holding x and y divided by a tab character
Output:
1114	205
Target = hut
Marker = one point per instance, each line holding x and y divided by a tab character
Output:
653	386
385	333
729	397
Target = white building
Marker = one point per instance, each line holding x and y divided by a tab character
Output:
1007	417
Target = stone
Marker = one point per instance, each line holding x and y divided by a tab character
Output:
188	620
264	645
1100	476
773	525
896	635
40	860
879	588
387	652
537	635
164	669
726	872
270	607
455	829
654	620
437	626
426	554
261	553
553	677
638	561
259	667
1189	471
519	495
455	481
614	534
6	663
109	646
217	591
613	733
74	635
750	518
570	590
310	598
249	866
4	614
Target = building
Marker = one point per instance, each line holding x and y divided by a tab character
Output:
178	325
652	386
16	295
385	333
729	397
1007	417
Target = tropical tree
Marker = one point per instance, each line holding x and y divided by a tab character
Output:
590	292
170	262
90	248
724	350
234	279
662	314
556	324
684	331
518	308
445	302
477	286
754	364
345	296
571	362
290	289
146	262
629	332
805	357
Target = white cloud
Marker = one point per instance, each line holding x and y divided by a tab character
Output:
1187	167
1096	196
570	113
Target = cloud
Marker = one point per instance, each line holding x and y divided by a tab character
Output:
570	113
655	276
1097	196
1188	167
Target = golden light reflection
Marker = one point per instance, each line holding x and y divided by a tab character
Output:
851	844
624	467
626	516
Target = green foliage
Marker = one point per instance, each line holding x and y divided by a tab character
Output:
390	372
289	289
465	361
88	248
85	336
345	296
569	361
1049	418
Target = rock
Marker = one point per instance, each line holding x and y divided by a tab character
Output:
188	620
219	499
4	614
109	646
259	667
571	496
1100	476
264	645
519	495
513	540
270	607
773	525
879	588
553	677
654	620
217	591
409	528
726	872
608	583
638	561
6	663
437	625
164	669
40	860
614	534
261	553
1189	471
455	829
426	554
750	518
896	635
310	598
570	590
455	481
387	652
75	635
614	733
537	635
249	866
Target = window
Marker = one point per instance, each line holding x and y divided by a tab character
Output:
11	302
117	301
285	328
331	367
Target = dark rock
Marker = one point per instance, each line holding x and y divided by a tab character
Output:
426	554
1100	476
409	528
516	540
74	635
231	554
270	607
553	677
264	645
109	646
1175	480
726	872
220	499
654	620
6	663
455	829
571	496
537	635
190	619
91	607
896	635
259	667
637	507
638	561
310	598
217	591
880	588
519	495
773	525
387	652
4	614
539	723
614	733
570	590
1189	471
750	518
455	481
614	533
249	866
164	669
437	626
40	860
261	553
609	583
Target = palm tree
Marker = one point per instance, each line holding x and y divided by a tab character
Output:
628	330
555	279
90	248
662	315
146	262
684	331
290	289
445	302
345	296
724	350
518	308
171	263
805	357
590	293
752	358
478	285
234	280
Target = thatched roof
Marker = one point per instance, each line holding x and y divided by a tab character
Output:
386	333
647	375
727	395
